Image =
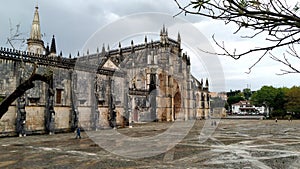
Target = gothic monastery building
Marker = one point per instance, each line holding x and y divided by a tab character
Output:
146	82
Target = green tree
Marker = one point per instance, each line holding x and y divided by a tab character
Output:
247	93
234	99
233	93
279	103
293	101
226	106
272	98
277	21
264	96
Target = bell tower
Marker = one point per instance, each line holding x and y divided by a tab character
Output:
35	44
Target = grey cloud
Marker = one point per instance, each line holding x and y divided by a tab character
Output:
73	22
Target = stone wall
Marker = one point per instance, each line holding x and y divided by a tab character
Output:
8	122
35	119
85	114
152	81
62	118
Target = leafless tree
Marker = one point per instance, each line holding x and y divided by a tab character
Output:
27	83
23	87
278	20
16	38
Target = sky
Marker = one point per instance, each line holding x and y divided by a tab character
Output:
74	22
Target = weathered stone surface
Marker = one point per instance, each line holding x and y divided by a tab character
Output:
234	144
35	120
144	82
62	118
8	121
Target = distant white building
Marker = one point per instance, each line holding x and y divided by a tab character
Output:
262	109
245	107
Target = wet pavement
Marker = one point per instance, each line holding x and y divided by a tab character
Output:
257	144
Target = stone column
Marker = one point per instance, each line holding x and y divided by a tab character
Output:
50	113
127	108
94	103
153	94
74	110
21	113
21	117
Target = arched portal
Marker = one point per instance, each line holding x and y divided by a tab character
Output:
177	105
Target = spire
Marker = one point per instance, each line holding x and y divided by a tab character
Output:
146	41
166	31
35	43
188	61
132	46
103	48
53	46
178	38
206	83
47	50
35	33
164	35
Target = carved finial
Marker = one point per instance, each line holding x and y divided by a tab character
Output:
70	56
53	46
47	50
78	54
164	36
131	42
206	83
108	47
178	37
188	60
145	38
119	44
103	48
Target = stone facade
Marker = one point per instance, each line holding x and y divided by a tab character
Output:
146	82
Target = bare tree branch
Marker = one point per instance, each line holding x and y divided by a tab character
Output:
22	88
279	19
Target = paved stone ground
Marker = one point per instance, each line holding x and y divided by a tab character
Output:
258	144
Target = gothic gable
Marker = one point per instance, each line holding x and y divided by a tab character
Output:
110	65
